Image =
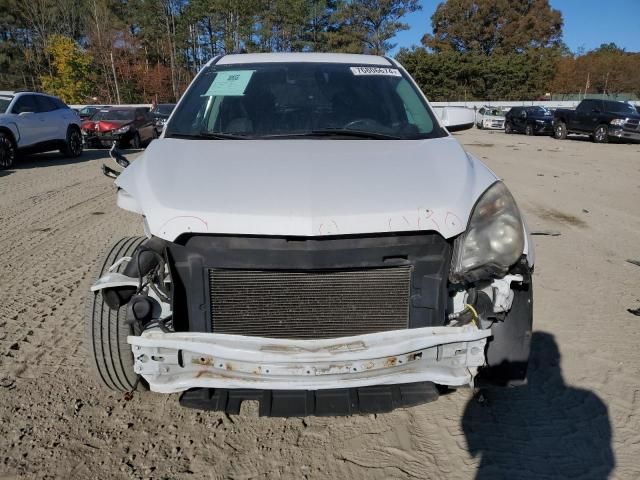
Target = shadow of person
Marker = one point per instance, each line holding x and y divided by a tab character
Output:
543	430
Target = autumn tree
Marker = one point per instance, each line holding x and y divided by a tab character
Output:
71	77
494	26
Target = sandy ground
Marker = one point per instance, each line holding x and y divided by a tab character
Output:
579	417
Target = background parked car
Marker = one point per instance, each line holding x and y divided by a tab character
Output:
161	114
602	120
127	126
89	111
490	118
34	122
529	120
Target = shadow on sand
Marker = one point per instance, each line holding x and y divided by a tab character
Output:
545	430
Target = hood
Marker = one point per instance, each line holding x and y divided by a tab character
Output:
304	187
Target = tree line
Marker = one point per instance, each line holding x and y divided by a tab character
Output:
130	51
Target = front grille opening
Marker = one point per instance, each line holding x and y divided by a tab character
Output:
309	304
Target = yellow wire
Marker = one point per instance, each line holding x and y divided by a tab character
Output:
475	314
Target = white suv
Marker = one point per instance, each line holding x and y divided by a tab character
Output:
34	122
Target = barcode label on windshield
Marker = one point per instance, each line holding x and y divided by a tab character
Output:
394	72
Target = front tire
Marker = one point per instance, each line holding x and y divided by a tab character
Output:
106	328
135	142
7	151
508	128
601	134
528	130
560	131
73	143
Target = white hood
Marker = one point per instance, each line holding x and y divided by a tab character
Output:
305	187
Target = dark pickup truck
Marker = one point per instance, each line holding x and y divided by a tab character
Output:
602	120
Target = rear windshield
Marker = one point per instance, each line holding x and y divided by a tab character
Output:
271	100
113	115
4	103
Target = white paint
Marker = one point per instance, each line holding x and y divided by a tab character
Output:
305	187
444	355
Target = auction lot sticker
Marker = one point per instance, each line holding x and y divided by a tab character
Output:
230	83
394	72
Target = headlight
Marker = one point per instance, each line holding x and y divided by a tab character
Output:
124	129
617	122
494	239
160	122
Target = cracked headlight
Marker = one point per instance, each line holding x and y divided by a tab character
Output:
494	239
617	122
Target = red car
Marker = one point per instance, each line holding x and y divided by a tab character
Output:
128	126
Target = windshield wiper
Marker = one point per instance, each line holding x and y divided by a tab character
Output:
204	135
335	132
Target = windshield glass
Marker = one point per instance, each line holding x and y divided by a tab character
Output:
621	107
540	111
163	109
4	103
494	112
113	115
302	99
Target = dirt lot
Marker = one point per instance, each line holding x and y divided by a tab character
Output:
578	417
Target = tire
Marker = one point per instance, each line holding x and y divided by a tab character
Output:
560	131
8	151
479	126
135	141
508	128
107	331
601	134
73	143
528	130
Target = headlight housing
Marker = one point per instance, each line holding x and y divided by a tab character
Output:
617	122
494	239
124	129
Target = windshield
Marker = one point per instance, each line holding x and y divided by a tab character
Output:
113	115
621	107
164	109
275	100
540	111
494	112
4	103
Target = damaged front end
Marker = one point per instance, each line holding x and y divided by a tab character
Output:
240	315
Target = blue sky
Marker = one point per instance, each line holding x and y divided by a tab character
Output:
587	23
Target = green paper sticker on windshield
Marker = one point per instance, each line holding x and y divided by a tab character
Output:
230	83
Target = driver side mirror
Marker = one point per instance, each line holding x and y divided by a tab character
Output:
523	115
119	158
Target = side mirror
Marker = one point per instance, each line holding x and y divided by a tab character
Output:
523	115
119	158
109	172
455	118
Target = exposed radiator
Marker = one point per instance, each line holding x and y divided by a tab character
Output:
309	304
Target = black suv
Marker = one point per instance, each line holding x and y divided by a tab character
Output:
529	120
602	120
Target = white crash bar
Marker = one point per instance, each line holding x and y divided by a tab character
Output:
173	362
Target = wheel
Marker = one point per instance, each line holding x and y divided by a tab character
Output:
479	125
73	143
135	141
7	151
601	134
560	131
508	128
528	130
106	329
